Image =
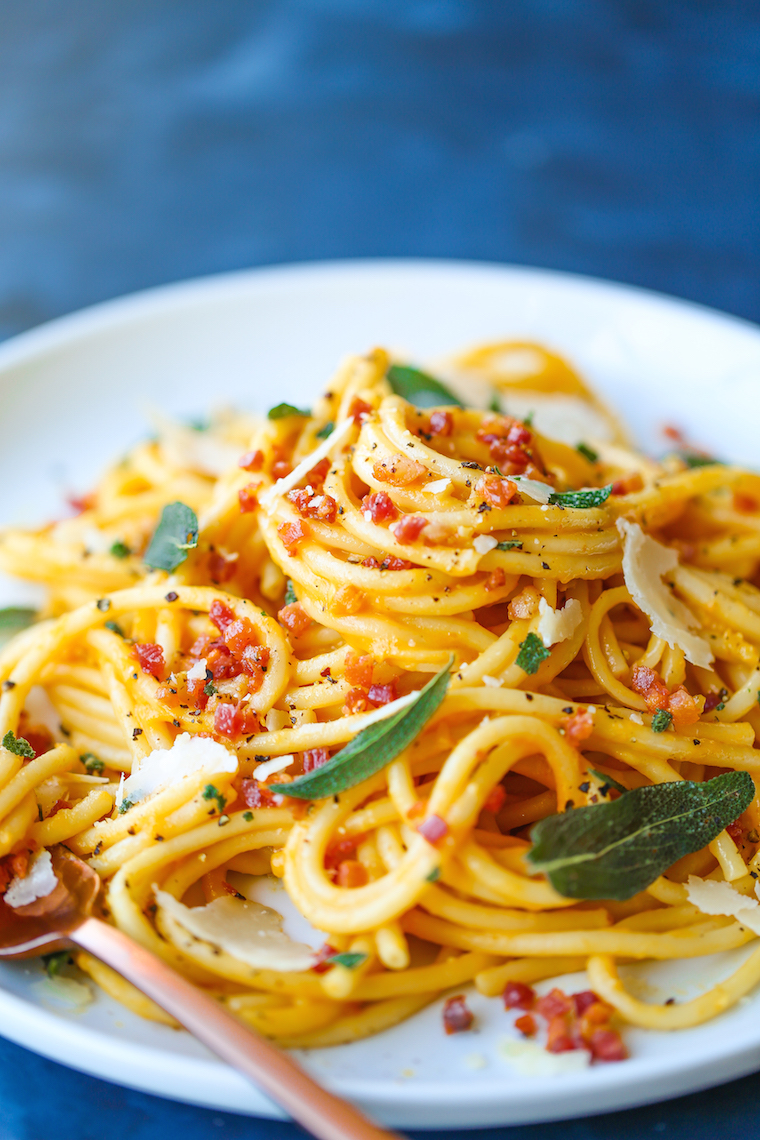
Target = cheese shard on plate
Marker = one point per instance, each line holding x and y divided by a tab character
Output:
558	625
38	883
188	756
645	561
245	930
713	897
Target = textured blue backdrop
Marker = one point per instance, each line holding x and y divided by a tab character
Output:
142	141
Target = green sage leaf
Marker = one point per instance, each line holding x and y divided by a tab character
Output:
418	388
17	745
347	959
13	619
372	748
615	849
587	452
692	459
328	429
608	780
282	411
120	550
583	500
532	653
175	535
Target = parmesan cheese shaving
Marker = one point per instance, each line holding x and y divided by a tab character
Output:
533	489
644	563
198	671
558	625
492	682
246	930
713	897
38	883
437	487
484	543
269	497
188	756
277	764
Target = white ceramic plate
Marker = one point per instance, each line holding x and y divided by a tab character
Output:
73	395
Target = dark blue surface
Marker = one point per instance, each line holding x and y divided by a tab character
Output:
142	141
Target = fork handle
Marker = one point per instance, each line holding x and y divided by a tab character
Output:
324	1115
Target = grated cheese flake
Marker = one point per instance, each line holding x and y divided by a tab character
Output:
39	882
558	625
644	563
437	486
714	897
188	756
532	488
277	764
198	671
247	930
484	543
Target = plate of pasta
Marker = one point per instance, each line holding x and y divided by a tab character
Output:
393	655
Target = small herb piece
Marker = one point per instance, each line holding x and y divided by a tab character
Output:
92	762
509	545
350	961
587	452
615	849
661	720
209	688
282	411
290	595
199	425
583	500
125	805
328	429
120	550
418	388
528	421
494	403
175	535
55	962
248	816
434	875
692	459
608	780
372	748
13	619
17	745
114	628
212	793
532	653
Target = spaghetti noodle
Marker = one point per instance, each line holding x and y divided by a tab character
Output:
351	554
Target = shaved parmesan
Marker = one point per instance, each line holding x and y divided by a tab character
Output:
533	489
713	897
558	625
278	764
644	563
531	1060
483	543
437	487
188	756
269	497
492	682
39	882
198	671
246	930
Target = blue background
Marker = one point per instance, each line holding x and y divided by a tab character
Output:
143	141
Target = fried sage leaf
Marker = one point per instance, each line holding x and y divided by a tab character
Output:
614	850
282	411
418	388
13	619
372	748
583	500
175	535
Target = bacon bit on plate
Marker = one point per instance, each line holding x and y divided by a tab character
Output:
252	460
221	568
294	618
518	995
351	873
524	605
318	473
349	599
434	829
494	801
507	441
151	658
526	1025
383	694
360	410
457	1016
399	470
736	831
234	720
247	498
81	503
292	535
495	579
607	1045
579	727
342	849
441	423
390	562
356	701
380	507
745	504
314	758
256	795
495	491
684	708
280	468
359	669
314	506
409	528
628	484
220	614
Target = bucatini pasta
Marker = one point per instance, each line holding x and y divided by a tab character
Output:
555	621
